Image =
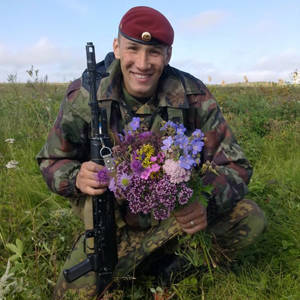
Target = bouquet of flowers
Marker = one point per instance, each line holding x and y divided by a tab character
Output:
156	173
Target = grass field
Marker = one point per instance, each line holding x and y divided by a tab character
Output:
37	228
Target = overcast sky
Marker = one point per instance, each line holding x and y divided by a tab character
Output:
259	39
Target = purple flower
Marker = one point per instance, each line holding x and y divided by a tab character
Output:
112	185
153	158
197	146
136	166
198	133
129	138
161	156
155	168
124	181
146	173
185	194
121	137
145	135
180	129
187	162
135	123
167	143
182	141
103	176
169	124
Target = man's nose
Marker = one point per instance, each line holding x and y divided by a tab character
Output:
142	61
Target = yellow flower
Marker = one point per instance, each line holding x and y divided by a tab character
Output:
148	151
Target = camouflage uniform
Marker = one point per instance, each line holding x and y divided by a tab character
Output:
179	97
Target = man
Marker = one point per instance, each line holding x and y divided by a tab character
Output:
138	81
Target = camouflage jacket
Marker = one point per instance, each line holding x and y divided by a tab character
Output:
180	95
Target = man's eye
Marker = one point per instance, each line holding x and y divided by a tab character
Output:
155	51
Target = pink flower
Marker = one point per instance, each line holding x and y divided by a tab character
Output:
147	172
155	168
161	156
177	174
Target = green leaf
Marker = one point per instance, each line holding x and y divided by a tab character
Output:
20	246
14	257
194	281
12	247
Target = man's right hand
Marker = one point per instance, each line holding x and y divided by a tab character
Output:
87	181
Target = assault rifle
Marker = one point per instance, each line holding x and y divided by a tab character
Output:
102	257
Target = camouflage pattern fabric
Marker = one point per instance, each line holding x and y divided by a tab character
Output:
234	231
179	96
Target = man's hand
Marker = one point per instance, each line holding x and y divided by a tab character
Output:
87	181
192	218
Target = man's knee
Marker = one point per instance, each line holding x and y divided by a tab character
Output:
250	222
241	227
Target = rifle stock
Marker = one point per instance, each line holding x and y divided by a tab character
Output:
102	258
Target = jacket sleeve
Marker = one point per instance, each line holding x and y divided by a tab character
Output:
66	147
224	153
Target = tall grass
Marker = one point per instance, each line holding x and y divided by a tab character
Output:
37	228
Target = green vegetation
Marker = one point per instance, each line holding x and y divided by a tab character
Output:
37	228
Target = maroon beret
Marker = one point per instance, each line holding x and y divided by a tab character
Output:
146	25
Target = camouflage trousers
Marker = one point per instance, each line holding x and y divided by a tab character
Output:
234	231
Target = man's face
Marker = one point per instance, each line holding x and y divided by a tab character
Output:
141	65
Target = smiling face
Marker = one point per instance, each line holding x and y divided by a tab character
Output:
141	65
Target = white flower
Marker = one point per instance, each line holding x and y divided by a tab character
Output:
12	164
10	141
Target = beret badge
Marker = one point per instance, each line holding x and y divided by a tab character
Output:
146	36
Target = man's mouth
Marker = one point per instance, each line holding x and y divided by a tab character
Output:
141	76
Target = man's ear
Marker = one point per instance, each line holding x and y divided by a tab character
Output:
116	48
169	54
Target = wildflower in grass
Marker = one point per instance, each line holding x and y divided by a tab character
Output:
10	140
12	164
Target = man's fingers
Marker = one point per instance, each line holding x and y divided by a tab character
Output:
184	211
194	223
195	229
192	218
94	192
196	214
93	183
87	181
90	168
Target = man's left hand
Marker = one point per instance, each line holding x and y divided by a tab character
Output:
192	218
